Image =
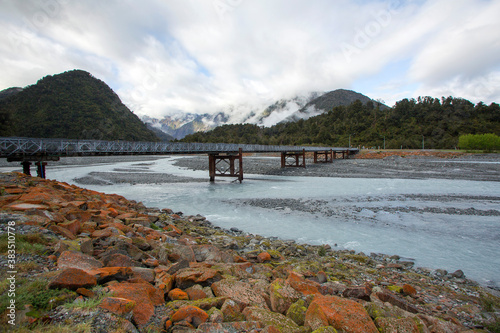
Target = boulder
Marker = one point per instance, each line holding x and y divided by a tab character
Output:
263	257
438	325
107	274
268	318
191	314
409	290
210	253
74	259
282	296
188	277
120	260
143	294
241	292
387	296
177	294
342	314
196	292
387	325
231	311
297	312
231	327
163	280
62	231
117	305
359	292
72	278
303	286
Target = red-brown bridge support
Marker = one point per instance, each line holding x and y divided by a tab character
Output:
345	154
26	167
293	159
27	162
328	156
40	168
223	165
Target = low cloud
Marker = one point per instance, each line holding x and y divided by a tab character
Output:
205	56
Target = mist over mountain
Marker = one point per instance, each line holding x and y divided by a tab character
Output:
326	102
284	110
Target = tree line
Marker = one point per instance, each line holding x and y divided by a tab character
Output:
424	122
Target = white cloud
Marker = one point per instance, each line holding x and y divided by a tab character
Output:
203	56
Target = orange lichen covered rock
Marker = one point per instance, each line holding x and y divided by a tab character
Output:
241	292
263	257
141	293
407	325
74	259
343	314
177	294
188	277
409	290
73	226
107	274
282	296
62	231
117	305
191	314
303	286
72	278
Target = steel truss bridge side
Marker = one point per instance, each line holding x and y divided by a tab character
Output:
31	147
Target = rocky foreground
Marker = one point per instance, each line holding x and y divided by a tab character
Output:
92	262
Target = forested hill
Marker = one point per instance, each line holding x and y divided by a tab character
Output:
439	123
72	105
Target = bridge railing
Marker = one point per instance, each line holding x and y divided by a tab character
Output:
14	146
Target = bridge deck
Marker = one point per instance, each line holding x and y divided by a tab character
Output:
17	149
222	156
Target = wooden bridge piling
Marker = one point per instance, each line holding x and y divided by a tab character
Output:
228	167
328	156
295	158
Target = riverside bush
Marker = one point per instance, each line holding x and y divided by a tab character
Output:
487	142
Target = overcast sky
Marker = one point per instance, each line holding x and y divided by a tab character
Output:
165	56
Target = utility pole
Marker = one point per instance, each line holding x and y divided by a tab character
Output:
423	142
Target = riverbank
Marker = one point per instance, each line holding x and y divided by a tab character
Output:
150	269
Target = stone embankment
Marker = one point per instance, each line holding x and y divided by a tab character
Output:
114	265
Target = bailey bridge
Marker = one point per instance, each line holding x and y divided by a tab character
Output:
222	157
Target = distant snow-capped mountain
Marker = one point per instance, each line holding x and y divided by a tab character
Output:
291	109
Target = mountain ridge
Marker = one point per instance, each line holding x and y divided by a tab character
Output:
301	106
72	105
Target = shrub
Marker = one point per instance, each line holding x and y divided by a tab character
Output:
487	142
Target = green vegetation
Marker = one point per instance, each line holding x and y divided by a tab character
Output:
35	293
34	243
90	303
72	105
435	123
54	328
486	142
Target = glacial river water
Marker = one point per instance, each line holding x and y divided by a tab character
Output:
447	224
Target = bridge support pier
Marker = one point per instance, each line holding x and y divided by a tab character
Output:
329	155
293	159
223	165
345	154
26	167
40	169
